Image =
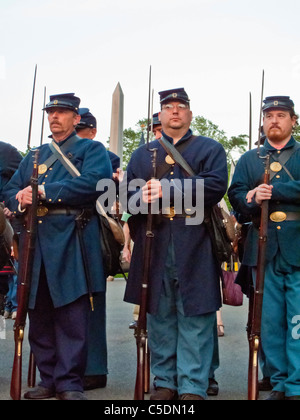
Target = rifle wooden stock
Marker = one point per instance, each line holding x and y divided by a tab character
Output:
16	382
24	284
141	331
254	334
147	369
140	372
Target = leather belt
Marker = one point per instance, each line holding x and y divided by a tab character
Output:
170	213
43	211
280	216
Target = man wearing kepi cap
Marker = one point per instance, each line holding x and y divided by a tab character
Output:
281	306
184	289
61	285
96	370
87	128
156	126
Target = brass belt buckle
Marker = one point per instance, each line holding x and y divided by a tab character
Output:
278	216
42	211
170	213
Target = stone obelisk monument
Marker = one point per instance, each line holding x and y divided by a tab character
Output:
117	120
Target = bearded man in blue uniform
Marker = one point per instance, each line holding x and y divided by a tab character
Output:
281	305
59	304
184	290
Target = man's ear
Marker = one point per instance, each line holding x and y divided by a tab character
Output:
77	119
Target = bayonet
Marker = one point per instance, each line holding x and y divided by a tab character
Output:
149	109
31	110
43	119
250	122
261	112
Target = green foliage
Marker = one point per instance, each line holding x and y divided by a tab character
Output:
132	140
296	133
233	146
23	154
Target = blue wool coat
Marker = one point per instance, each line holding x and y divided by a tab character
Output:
196	265
57	244
10	159
283	237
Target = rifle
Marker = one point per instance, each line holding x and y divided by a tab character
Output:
141	336
143	359
255	333
31	378
24	283
256	298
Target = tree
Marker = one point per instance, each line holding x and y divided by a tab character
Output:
133	139
233	146
296	133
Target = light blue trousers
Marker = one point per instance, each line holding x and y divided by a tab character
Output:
181	347
280	326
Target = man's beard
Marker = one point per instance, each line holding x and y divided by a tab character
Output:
275	134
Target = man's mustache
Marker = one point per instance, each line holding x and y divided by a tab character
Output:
275	126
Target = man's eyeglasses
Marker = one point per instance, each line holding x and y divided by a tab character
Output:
170	107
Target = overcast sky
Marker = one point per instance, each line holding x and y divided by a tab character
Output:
216	49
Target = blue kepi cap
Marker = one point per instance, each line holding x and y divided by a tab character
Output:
65	100
278	102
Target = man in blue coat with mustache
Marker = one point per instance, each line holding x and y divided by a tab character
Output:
184	290
59	304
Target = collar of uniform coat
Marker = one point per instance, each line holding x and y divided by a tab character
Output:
270	148
62	142
184	138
